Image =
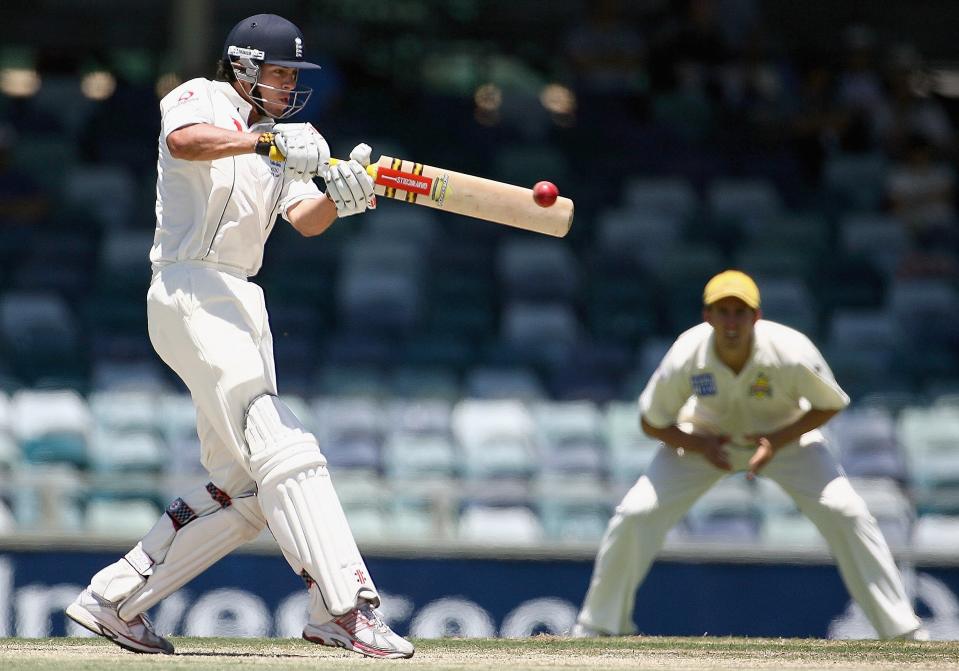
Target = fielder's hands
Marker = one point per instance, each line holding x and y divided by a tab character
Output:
307	153
348	185
712	448
763	455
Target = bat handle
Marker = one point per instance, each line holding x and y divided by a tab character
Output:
370	169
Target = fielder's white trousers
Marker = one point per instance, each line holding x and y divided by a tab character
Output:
809	474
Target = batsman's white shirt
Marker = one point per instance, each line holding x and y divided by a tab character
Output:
207	322
219	212
784	376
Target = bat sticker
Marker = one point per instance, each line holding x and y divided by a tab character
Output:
404	181
440	187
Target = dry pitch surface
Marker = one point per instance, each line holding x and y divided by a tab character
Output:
541	652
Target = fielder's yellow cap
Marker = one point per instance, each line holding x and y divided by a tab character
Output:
732	284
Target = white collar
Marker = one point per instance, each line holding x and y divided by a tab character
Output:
239	102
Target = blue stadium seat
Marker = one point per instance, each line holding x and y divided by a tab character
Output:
350	431
929	437
669	196
40	334
540	326
412	456
419	417
499	525
497	438
537	270
858	179
866	444
788	301
121	518
882	238
48	497
424	382
573	509
726	513
891	507
630	450
503	382
750	201
637	233
107	191
380	301
365	501
52	426
571	438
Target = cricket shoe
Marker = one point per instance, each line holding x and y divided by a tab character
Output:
582	631
920	634
101	617
363	631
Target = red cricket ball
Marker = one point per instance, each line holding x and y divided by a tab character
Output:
545	193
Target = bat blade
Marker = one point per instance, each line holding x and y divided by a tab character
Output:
472	196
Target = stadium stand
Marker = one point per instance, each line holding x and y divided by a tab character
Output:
430	352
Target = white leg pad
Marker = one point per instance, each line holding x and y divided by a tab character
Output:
302	508
196	531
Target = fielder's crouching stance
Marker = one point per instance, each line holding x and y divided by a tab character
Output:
741	393
220	188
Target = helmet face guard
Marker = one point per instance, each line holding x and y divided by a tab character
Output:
247	64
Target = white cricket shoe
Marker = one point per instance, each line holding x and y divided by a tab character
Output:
582	631
920	634
363	631
101	617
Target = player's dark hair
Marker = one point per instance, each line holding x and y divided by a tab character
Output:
224	71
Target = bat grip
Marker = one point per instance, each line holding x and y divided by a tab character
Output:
277	155
370	169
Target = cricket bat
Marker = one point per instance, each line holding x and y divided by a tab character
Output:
486	199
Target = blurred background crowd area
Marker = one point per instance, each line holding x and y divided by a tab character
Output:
471	381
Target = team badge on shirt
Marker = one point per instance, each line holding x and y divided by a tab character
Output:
761	387
703	384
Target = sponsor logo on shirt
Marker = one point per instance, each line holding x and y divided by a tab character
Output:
761	388
185	98
703	384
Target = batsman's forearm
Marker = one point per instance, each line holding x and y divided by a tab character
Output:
312	216
204	142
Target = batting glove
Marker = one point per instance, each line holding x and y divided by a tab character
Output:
348	184
307	153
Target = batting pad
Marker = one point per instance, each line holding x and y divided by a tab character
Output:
301	507
194	548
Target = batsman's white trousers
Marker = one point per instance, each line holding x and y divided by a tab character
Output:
212	329
808	473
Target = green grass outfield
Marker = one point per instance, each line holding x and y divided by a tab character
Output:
533	654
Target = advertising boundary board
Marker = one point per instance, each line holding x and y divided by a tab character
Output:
509	592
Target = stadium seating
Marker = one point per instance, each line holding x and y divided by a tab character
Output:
431	353
497	438
726	513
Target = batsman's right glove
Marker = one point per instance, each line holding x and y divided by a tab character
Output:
348	184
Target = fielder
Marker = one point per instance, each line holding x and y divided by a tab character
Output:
741	393
218	196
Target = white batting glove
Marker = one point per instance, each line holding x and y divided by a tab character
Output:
307	153
349	186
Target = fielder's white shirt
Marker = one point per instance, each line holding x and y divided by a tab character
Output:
219	212
784	377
